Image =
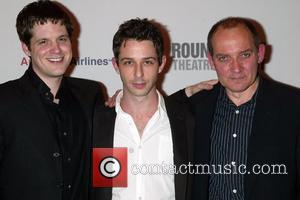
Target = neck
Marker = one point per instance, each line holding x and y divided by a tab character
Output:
53	84
137	106
141	109
239	98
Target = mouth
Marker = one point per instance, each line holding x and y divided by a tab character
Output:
56	59
139	85
237	77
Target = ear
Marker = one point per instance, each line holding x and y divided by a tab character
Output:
26	49
115	64
211	61
261	52
163	63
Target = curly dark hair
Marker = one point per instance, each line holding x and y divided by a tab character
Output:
139	29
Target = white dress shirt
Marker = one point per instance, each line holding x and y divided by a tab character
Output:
154	148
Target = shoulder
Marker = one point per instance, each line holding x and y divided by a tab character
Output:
177	108
82	83
9	85
86	87
205	96
280	90
101	108
104	113
89	92
9	90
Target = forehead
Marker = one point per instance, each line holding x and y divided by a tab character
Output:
48	28
135	47
233	37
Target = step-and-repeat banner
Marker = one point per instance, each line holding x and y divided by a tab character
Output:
187	23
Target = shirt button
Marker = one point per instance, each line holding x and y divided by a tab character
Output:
65	133
59	185
140	198
237	111
69	159
140	146
69	186
234	135
131	150
234	191
56	154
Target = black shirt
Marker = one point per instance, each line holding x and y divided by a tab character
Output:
69	125
231	129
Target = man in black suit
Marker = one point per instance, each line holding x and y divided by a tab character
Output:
46	118
155	129
248	126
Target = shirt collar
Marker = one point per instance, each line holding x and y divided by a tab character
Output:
37	82
42	87
225	99
161	107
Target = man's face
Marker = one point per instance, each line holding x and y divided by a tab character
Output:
50	50
236	59
138	67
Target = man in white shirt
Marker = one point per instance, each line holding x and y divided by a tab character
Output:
157	132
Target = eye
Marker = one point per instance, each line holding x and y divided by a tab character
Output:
42	42
149	62
246	54
222	58
127	62
63	39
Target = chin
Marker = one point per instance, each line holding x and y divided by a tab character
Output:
139	93
237	88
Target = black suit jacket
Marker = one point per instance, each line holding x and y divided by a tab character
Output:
182	127
274	140
29	169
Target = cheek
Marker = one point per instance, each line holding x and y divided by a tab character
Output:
66	48
126	73
223	71
151	75
251	67
40	51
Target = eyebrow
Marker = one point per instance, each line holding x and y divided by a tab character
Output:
145	58
224	54
247	50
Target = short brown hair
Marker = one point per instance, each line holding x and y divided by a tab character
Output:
232	22
40	12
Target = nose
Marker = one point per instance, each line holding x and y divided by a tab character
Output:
55	47
138	71
236	65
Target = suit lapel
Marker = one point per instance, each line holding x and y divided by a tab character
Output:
104	125
265	116
103	137
204	108
87	107
179	147
182	132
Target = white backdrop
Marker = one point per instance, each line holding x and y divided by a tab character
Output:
188	23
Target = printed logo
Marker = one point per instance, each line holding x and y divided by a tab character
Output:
189	56
110	167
